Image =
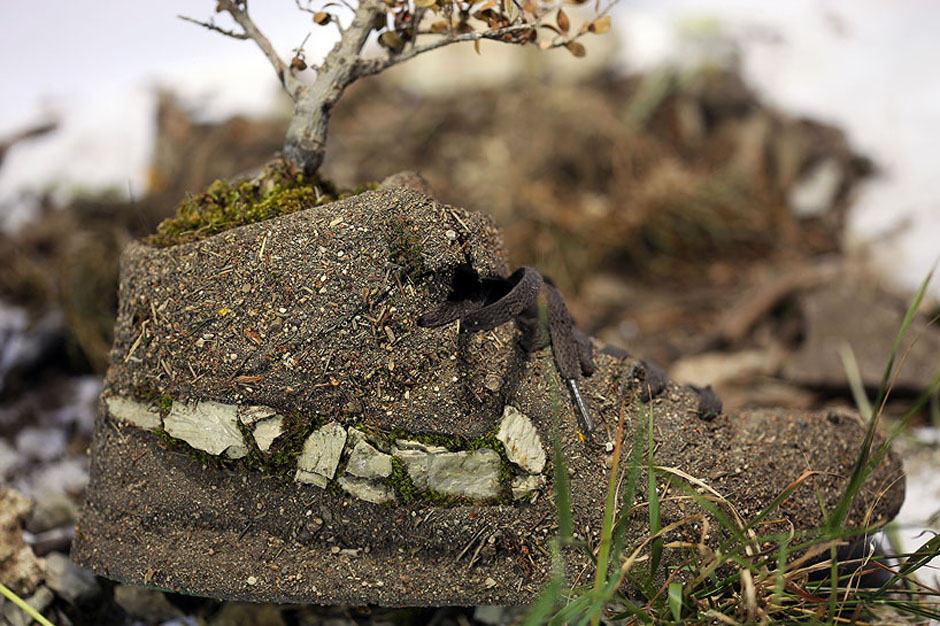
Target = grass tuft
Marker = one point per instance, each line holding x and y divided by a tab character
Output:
760	571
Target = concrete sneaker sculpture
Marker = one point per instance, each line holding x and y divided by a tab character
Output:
277	426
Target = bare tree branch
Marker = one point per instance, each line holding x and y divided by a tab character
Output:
368	67
306	9
213	27
238	9
511	21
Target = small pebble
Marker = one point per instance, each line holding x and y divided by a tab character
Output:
252	580
43	444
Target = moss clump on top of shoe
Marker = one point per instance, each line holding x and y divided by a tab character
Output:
278	190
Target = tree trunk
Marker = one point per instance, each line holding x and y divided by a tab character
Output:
305	144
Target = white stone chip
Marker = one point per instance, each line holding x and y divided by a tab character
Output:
524	485
470	474
267	430
368	490
208	426
417	464
522	442
354	436
317	463
133	412
311	478
367	462
250	414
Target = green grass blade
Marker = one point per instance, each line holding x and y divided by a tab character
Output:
630	610
920	557
629	489
602	567
540	611
675	600
560	472
864	463
736	532
782	553
542	608
856	385
570	611
834	583
656	547
18	601
911	608
908	318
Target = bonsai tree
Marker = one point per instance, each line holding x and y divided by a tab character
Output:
405	29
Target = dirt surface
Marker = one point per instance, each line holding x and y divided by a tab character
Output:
315	313
159	518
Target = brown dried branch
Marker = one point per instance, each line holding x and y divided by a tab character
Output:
368	67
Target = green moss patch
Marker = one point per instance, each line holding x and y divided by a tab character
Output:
224	205
281	459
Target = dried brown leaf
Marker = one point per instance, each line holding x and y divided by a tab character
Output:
600	26
391	40
476	46
576	49
298	64
563	22
424	4
322	18
439	27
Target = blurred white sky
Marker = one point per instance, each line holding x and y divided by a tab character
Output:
866	65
